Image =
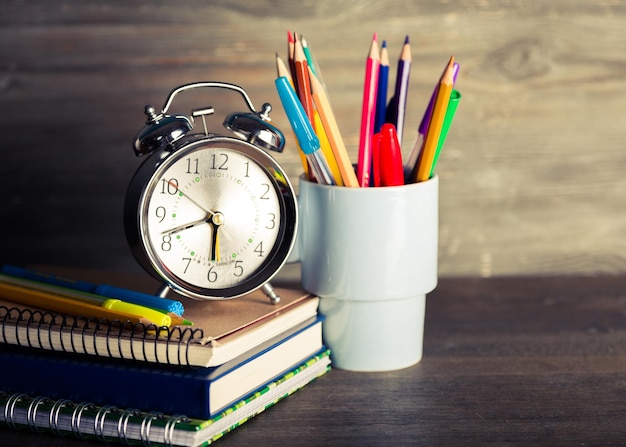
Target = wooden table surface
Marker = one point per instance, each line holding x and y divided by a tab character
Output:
507	361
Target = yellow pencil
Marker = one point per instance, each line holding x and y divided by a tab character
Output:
332	131
56	303
326	147
436	123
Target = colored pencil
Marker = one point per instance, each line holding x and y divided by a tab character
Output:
410	166
283	71
442	99
302	83
381	92
306	99
327	116
368	114
302	127
308	55
68	306
397	112
455	98
376	168
290	50
77	298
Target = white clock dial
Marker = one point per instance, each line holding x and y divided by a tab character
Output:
212	217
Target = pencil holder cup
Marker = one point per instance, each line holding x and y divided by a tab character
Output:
370	254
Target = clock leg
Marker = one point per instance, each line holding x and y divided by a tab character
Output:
270	292
163	290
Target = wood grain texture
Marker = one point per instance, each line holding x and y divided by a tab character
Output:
531	175
507	361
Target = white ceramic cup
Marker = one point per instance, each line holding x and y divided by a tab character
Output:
371	255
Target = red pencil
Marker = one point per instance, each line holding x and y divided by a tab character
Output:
368	114
302	80
290	50
376	167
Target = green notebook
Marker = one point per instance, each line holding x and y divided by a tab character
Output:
129	426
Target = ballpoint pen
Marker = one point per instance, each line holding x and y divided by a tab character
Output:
301	125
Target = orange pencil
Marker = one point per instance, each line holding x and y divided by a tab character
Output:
332	131
303	82
436	123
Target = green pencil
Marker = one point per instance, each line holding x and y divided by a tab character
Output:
455	98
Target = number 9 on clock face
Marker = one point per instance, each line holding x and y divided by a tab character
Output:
216	219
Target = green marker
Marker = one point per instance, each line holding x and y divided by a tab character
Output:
455	98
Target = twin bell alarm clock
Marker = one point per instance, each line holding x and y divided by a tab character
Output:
211	216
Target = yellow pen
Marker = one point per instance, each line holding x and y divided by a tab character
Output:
60	299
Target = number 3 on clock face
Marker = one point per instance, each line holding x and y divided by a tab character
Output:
215	219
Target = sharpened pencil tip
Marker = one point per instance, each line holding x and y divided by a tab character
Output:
384	45
406	39
375	36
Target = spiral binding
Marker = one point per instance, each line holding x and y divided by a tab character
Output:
76	413
44	324
122	425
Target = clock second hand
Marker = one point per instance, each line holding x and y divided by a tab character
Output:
184	194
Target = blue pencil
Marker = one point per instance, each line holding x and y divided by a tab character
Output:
130	296
383	81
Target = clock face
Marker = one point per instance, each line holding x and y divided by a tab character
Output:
215	219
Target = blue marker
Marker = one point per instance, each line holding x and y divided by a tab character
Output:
130	296
301	125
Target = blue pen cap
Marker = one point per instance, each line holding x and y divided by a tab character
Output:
300	123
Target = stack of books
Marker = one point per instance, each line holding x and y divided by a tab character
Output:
183	385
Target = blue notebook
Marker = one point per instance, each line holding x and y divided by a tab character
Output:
129	426
196	392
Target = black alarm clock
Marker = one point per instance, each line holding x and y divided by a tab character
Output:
212	216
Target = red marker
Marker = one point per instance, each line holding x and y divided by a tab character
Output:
390	157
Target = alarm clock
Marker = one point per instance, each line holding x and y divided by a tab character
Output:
211	216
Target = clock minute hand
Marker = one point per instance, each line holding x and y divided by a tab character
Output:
203	208
186	226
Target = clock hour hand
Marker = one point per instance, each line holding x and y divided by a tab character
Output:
216	222
187	226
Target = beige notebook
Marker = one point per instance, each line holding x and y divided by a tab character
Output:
222	330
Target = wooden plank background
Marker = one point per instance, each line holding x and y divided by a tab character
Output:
532	178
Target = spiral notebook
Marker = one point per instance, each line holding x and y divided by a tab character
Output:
129	426
222	330
196	392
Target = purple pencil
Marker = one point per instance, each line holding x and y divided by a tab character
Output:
411	162
397	106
